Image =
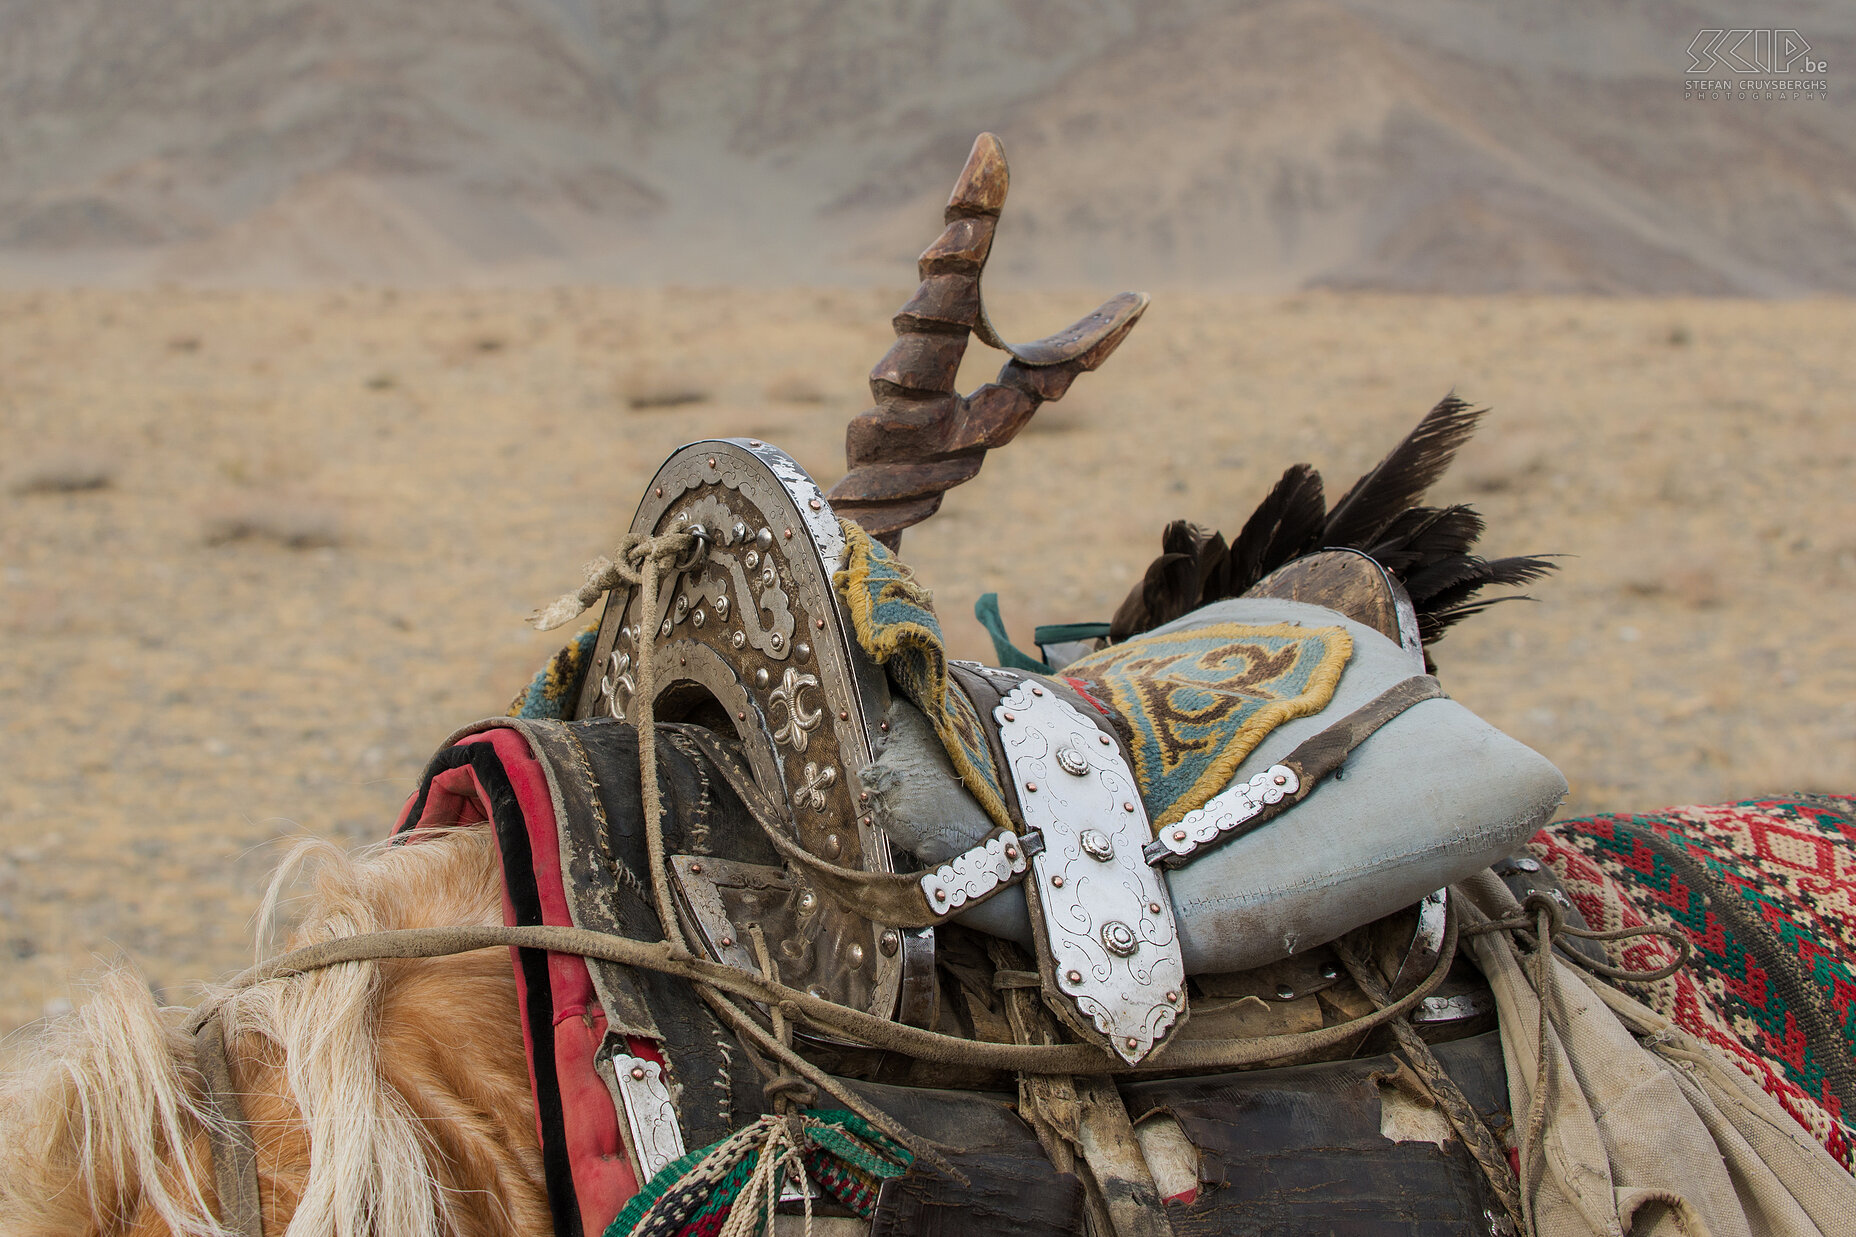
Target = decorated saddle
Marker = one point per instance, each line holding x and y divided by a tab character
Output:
1238	827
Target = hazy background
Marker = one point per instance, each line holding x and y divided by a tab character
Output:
335	336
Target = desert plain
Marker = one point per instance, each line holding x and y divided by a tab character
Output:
261	552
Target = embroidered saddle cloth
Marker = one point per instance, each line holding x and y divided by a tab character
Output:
1189	705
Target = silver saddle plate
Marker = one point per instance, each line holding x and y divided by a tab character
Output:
751	640
1104	921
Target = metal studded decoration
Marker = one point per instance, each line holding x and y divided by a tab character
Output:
753	631
1114	952
974	873
1223	812
650	1118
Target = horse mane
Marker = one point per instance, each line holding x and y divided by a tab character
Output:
384	1097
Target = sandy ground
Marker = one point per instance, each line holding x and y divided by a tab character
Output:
261	553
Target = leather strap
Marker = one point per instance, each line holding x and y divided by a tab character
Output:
1313	759
235	1155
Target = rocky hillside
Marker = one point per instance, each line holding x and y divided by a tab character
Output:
1438	145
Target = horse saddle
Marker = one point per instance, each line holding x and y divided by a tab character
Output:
1229	790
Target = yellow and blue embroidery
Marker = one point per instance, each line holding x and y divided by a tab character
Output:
1199	701
894	619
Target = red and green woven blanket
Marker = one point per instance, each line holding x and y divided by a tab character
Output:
1765	891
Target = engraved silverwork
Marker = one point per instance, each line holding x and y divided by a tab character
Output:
815	783
1222	813
656	1139
974	873
789	696
1113	948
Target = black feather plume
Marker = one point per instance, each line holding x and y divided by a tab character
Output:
1285	526
1429	550
1399	480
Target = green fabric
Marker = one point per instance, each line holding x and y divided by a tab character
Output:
986	610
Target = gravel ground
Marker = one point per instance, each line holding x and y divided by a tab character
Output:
261	552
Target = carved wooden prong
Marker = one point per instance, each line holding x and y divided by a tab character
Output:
923	438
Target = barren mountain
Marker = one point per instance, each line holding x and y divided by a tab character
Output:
1437	145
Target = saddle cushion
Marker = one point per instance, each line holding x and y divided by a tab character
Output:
1431	797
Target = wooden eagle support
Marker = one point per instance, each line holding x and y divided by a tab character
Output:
923	437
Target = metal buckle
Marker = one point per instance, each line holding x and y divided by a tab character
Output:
1112	947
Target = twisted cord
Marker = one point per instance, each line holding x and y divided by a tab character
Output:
1541	913
1462	1114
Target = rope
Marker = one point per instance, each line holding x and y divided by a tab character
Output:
1468	1123
1545	919
1552	917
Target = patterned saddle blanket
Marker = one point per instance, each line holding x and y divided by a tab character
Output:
1765	892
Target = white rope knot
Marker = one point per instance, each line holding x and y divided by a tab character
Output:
636	552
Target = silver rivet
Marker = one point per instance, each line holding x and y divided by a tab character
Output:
739	639
1097	845
854	955
1526	863
1285	991
638	1072
834	846
737	533
1119	939
698	618
760	677
889	942
1072	762
1330	971
776	640
754	442
665	629
802	651
751	559
808	900
764	538
721	608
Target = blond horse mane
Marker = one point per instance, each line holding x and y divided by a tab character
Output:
386	1098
